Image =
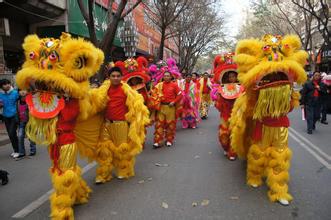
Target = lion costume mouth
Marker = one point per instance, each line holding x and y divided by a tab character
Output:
272	80
44	105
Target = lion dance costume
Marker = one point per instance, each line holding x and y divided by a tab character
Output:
135	74
190	94
205	94
259	122
161	96
227	93
123	130
58	71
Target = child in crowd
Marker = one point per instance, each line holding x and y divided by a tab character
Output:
23	116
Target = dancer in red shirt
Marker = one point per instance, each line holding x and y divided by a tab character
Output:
205	89
122	134
165	124
226	76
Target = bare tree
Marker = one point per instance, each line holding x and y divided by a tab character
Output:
163	13
283	17
198	28
105	44
320	11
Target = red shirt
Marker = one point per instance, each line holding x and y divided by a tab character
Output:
205	89
316	92
197	82
187	87
116	107
171	92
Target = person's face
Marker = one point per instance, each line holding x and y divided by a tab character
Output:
205	76
94	85
115	78
134	81
232	78
167	77
194	77
23	93
6	87
317	76
188	78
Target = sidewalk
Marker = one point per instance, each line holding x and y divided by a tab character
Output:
4	139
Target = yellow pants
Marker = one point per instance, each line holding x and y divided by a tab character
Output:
204	106
270	158
224	137
114	152
165	124
69	187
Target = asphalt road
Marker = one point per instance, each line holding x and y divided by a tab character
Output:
194	181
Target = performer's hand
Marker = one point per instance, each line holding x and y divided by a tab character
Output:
171	104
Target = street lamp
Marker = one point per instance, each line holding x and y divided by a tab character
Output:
129	36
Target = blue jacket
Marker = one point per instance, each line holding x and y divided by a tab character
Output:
9	101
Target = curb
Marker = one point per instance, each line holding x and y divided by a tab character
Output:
4	142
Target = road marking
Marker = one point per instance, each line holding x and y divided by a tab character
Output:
42	199
311	144
313	153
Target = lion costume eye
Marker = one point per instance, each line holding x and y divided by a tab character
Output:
53	56
32	55
80	62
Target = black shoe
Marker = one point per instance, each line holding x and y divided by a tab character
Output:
32	154
156	145
20	157
324	122
309	132
4	177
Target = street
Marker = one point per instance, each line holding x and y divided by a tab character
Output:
192	180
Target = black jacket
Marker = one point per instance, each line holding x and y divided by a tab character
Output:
307	92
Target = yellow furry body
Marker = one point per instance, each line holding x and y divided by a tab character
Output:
112	151
270	156
64	67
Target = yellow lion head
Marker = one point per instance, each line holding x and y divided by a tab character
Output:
261	63
62	66
267	69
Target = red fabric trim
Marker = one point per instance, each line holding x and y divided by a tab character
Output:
282	121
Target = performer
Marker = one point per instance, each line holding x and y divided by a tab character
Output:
169	95
56	73
189	101
123	129
259	122
229	89
205	89
135	74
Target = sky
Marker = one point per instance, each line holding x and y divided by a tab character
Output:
235	14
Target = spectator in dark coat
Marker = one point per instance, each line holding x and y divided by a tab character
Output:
311	94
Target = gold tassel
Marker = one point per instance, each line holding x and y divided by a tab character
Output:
42	131
273	102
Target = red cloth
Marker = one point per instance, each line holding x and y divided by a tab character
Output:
144	93
116	107
224	106
316	92
171	92
197	82
205	89
282	121
67	122
65	129
187	87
